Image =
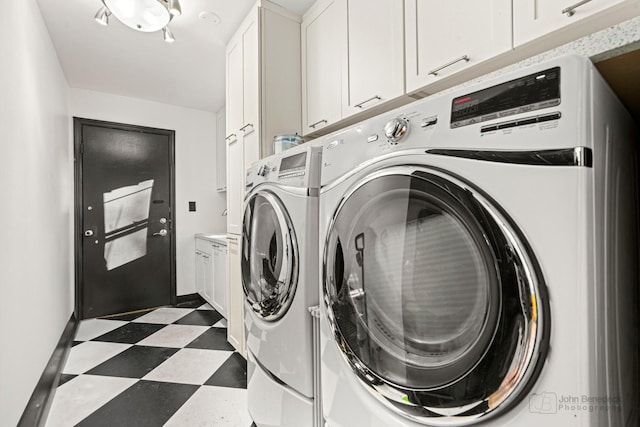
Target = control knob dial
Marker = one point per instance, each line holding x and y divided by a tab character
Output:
396	129
263	171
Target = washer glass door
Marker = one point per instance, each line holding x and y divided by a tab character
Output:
269	256
424	292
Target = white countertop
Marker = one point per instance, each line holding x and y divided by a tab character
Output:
213	237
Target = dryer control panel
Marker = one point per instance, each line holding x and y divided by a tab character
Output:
533	92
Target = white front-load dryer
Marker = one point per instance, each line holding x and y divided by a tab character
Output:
479	258
279	264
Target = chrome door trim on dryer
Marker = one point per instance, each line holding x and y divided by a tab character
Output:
269	295
434	380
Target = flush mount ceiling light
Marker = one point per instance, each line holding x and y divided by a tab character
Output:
141	15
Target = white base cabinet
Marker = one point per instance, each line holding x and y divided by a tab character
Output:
235	321
204	274
211	273
219	296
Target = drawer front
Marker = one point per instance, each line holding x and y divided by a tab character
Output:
203	245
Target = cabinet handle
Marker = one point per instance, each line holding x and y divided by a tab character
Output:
569	11
317	123
230	136
367	100
246	126
448	64
233	239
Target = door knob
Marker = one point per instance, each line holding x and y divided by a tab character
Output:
161	233
88	233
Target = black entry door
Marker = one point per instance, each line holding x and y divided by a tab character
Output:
124	199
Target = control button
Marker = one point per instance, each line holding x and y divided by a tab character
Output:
429	121
525	122
489	128
395	129
332	144
507	113
549	117
525	109
373	138
507	125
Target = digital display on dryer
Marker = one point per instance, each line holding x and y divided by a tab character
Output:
530	93
295	162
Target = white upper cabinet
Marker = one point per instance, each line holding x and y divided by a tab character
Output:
234	89
250	76
444	37
263	77
221	149
263	94
375	53
533	19
235	185
234	139
324	38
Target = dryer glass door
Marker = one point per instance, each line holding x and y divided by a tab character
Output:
428	296
269	256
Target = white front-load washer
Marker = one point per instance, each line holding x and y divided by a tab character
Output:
279	264
479	258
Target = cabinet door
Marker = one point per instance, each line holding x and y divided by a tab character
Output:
444	37
208	279
235	319
324	37
250	76
220	279
221	151
235	185
535	18
376	53
234	88
200	273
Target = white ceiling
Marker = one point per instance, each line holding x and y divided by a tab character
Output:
116	59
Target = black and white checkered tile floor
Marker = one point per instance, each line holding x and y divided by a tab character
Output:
170	366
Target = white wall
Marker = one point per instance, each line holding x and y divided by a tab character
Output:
195	157
36	204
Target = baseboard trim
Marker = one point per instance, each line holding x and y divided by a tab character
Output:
190	301
37	409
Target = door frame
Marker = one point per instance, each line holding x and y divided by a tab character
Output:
78	122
